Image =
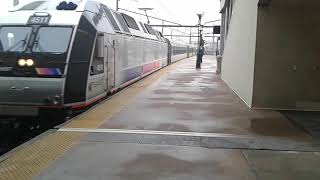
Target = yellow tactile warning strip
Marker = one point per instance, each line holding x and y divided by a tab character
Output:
31	160
98	115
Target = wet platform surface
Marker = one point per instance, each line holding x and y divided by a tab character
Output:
191	100
177	124
121	161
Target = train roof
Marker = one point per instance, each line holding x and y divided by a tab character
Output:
70	12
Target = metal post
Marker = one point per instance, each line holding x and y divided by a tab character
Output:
117	5
162	26
201	44
218	48
198	64
219	58
190	36
213	50
145	11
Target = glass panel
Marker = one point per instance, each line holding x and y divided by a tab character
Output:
14	39
150	30
144	29
179	50
122	23
53	39
130	22
157	35
112	20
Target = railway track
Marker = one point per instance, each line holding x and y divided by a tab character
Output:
16	131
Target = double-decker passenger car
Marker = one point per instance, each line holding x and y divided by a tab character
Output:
69	55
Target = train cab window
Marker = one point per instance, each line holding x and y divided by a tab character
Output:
53	39
14	38
97	65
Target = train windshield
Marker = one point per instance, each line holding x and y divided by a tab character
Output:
53	39
14	39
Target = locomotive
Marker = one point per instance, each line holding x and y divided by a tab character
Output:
58	55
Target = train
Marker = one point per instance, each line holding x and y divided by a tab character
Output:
69	55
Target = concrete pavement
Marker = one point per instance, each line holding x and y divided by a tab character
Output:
179	124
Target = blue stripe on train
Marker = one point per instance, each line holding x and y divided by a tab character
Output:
132	73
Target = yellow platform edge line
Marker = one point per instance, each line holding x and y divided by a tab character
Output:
33	159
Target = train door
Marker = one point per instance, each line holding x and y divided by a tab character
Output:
110	63
97	75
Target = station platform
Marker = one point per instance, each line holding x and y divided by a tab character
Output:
178	123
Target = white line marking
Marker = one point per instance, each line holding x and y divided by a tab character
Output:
149	132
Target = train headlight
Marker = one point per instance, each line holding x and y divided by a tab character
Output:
22	62
29	62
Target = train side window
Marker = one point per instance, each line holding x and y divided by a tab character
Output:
97	65
130	22
149	29
143	28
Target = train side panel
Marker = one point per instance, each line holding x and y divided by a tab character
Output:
136	57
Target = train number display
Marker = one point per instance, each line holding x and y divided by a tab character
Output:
39	20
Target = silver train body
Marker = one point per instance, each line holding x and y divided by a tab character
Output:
72	57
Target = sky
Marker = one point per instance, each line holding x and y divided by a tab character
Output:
180	11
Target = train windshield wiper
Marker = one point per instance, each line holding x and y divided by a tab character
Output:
36	45
23	41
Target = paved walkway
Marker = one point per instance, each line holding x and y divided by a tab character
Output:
199	101
179	123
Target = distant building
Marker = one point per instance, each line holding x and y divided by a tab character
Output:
271	52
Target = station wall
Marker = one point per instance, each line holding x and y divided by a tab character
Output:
239	53
287	65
